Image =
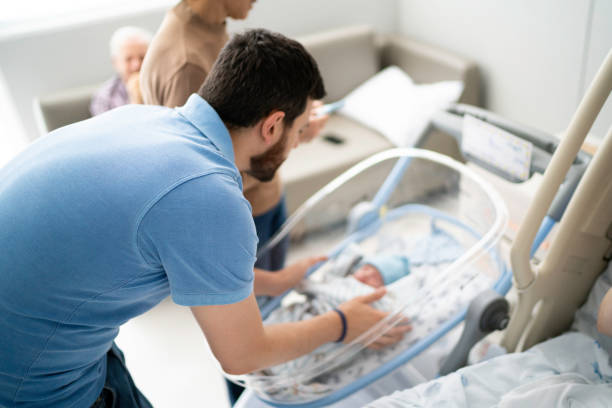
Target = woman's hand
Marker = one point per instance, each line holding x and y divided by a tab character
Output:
316	122
133	88
294	273
275	283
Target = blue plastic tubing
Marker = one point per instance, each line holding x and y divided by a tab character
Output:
547	224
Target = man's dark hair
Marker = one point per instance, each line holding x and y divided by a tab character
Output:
259	72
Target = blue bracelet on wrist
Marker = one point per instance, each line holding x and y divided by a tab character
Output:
343	318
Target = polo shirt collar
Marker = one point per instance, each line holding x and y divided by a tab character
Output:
207	120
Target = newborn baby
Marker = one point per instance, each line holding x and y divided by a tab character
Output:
382	270
350	274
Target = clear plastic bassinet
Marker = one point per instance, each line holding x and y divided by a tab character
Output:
409	202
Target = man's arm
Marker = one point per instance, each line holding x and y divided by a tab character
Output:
604	316
241	343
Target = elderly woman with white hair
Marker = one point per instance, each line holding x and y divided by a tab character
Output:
128	46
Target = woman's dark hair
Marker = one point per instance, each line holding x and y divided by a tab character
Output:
258	72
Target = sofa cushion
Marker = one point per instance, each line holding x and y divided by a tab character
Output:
346	58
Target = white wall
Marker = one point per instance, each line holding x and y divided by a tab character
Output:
599	44
49	60
298	17
12	134
536	57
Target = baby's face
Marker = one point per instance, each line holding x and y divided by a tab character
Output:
369	275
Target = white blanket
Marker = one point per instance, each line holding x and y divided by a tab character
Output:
572	370
585	319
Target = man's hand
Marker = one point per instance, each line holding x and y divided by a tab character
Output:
360	317
276	283
315	123
242	344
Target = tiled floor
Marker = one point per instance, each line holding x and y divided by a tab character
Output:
170	360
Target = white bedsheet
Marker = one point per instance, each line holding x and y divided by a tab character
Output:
571	370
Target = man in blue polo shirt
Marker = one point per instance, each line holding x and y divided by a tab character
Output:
101	220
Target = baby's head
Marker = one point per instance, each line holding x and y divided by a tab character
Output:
382	270
369	275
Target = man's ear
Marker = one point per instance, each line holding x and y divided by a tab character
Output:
272	127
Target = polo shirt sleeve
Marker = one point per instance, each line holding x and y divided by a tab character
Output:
201	233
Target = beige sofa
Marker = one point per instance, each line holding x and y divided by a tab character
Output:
346	57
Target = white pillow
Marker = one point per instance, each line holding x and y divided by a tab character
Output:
391	103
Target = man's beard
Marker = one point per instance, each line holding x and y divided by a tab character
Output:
264	166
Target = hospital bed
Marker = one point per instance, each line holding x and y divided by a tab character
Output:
549	293
549	366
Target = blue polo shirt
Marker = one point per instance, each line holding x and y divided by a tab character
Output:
100	221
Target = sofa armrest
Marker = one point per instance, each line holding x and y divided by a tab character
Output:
63	108
425	63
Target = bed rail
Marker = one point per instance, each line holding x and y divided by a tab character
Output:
549	293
